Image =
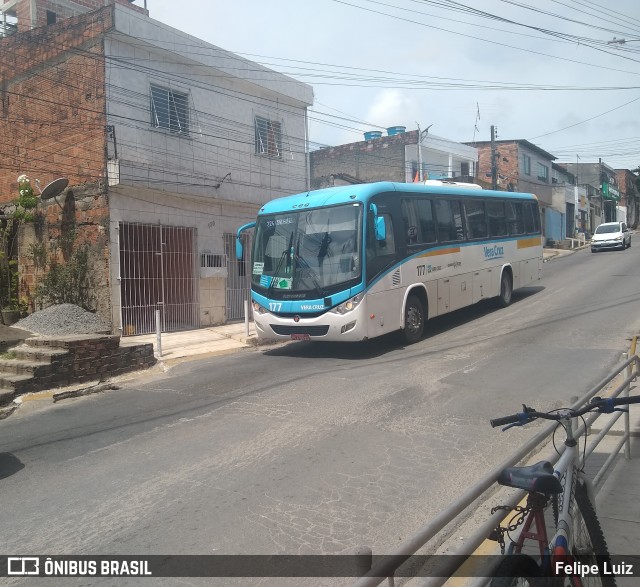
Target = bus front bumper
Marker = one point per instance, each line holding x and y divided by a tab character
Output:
328	327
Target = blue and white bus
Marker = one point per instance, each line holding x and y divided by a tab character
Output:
354	262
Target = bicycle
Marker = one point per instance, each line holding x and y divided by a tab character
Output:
569	556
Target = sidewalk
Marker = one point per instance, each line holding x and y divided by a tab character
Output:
549	254
188	344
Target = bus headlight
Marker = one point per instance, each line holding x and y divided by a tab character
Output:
348	306
258	309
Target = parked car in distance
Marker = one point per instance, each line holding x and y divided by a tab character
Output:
611	235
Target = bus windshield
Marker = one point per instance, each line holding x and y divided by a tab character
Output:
312	253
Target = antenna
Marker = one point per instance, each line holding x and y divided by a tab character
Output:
54	189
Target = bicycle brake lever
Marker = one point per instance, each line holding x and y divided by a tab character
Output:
523	423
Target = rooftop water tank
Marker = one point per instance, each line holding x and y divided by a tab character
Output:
396	130
372	134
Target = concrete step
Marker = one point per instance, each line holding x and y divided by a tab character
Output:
19	383
24	367
6	396
39	354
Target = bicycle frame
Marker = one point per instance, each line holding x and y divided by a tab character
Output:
568	471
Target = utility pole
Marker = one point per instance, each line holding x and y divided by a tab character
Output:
420	133
419	155
494	160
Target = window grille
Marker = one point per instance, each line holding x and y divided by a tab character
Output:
268	137
169	110
210	260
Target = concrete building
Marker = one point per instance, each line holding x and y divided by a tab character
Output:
571	202
601	183
169	144
398	156
522	166
629	186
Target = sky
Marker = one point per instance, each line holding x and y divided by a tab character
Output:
541	70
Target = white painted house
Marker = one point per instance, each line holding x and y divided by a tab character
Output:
198	139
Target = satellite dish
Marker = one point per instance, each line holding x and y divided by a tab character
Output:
54	189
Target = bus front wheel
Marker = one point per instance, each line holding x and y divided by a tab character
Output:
413	320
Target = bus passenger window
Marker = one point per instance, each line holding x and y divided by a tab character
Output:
426	220
410	222
497	218
476	219
380	254
449	220
529	220
515	218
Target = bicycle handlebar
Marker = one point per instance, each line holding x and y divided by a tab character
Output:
597	404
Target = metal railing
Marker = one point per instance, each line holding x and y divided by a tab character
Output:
388	566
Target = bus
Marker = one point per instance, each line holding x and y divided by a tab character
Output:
351	263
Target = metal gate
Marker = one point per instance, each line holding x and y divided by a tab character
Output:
157	272
238	278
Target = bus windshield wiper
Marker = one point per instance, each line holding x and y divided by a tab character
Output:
286	253
314	278
274	276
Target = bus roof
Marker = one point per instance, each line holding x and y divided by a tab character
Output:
363	192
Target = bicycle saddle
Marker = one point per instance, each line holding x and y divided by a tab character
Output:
538	477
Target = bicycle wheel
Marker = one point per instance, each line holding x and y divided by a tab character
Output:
589	546
517	570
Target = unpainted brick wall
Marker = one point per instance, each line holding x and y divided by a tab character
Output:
52	121
508	169
380	159
52	90
62	10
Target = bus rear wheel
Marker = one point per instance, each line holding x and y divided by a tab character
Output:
506	290
413	320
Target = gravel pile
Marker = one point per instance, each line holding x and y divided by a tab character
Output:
63	319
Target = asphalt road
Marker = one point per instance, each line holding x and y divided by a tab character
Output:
309	448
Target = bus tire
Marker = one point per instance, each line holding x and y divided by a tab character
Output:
506	289
413	320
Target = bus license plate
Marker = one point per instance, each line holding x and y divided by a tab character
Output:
300	337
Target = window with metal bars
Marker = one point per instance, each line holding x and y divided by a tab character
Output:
268	137
170	110
210	260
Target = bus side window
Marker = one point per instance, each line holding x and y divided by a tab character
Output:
449	220
497	218
380	254
536	216
476	219
426	220
529	219
515	218
412	233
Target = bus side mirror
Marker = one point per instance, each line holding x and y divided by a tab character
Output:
379	226
239	251
380	229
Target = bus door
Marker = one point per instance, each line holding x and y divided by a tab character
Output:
385	296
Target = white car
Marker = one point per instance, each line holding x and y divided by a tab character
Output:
611	235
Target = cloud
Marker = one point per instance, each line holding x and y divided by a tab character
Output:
391	107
